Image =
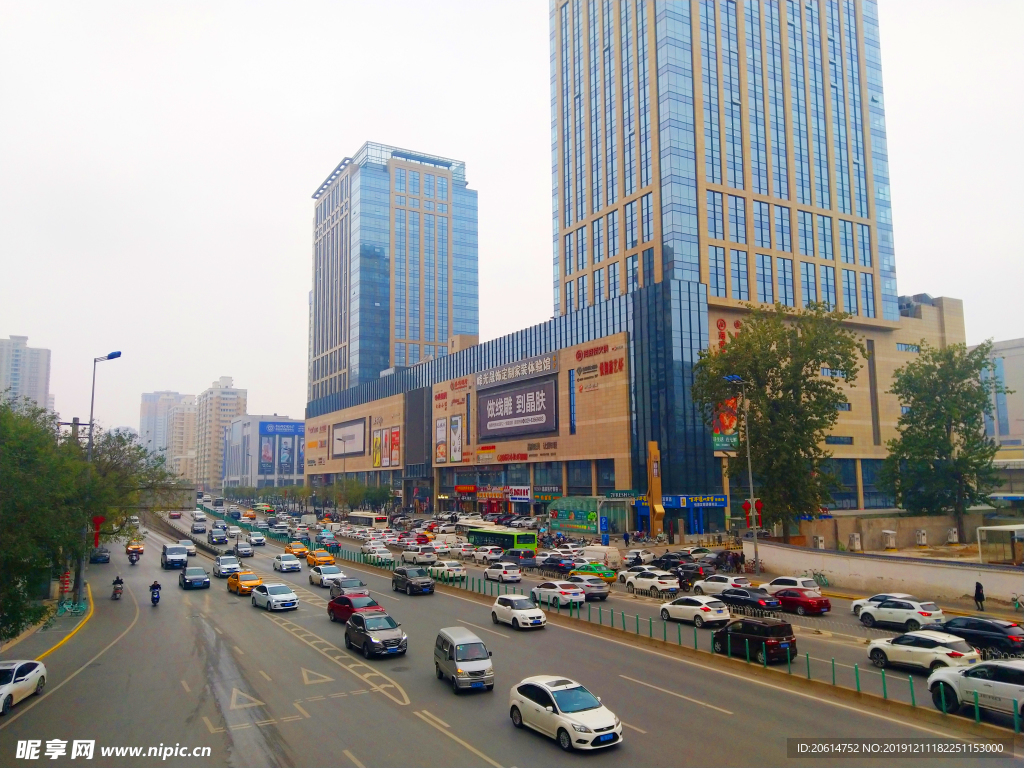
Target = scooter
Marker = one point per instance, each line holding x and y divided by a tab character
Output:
154	596
133	558
117	592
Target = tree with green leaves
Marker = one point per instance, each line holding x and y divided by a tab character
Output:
941	460
781	354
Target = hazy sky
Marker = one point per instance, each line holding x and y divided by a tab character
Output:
157	161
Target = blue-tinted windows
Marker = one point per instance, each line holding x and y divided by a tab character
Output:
808	283
614	285
647	217
738	272
581	248
816	84
631	225
776	99
838	440
599	286
709	75
837	89
632	274
765	287
414	354
805	232
801	143
643	76
442	188
429	277
785	267
597	240
400	181
400	353
628	106
901	347
648	266
864	244
613	234
581	290
737	219
414	187
399	251
782	239
850	291
731	93
428	185
825	238
442	278
716	227
846	241
414	202
755	100
867	294
762	225
716	270
414	280
570	304
828	287
569	254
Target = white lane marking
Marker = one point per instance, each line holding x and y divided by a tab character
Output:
638	730
456	739
185	686
353	758
265	676
435	718
678	695
382	594
485	629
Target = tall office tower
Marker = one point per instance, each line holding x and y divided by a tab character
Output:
215	408
25	371
153	422
394	265
735	143
181	439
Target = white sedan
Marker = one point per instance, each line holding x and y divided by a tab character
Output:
655	582
325	575
926	649
503	572
225	565
557	593
380	553
623	575
447	570
564	710
274	597
441	548
910	614
257	539
287	563
859	605
370	546
189	545
464	549
19	680
712	585
517	611
487	554
698	609
234	531
646	556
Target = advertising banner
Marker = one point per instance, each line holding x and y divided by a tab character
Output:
574	521
385	448
396	446
441	441
725	434
376	448
527	409
286	459
302	453
541	365
519	493
282	428
455	443
349	438
267	454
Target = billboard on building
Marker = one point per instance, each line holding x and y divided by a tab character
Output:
376	448
282	428
725	434
455	441
302	453
286	456
441	441
396	446
349	438
530	408
385	447
267	454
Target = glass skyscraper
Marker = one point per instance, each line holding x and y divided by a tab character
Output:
736	143
394	265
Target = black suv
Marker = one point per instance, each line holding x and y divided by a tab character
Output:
693	570
99	555
763	636
412	579
990	634
217	536
671	559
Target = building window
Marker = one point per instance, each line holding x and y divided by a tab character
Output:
737	219
631	226
846	241
901	347
570	305
716	270
428	350
785	267
765	290
414	202
572	401
428	185
614	285
647	214
632	276
613	234
581	249
874	497
570	257
578	476
399	199
414	182
598	286
648	266
843	407
864	244
782	241
581	290
605	476
808	282
867	294
597	238
414	354
738	270
805	226
709	72
828	287
400	181
716	228
762	225
838	440
850	291
825	237
833	373
442	188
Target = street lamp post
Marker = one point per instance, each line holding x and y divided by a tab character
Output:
734	379
79	568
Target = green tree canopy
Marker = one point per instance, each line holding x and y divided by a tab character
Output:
781	353
941	462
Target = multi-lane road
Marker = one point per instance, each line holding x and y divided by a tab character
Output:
205	669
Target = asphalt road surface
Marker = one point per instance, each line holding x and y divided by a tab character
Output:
206	669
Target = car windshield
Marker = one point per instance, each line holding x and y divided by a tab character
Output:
577	699
195	572
715	604
959	645
6	675
780	630
363	602
351	583
175	550
521	604
470	652
594	580
452	564
929	606
330	569
380	622
415	573
248	577
228	561
185	543
287	557
280	589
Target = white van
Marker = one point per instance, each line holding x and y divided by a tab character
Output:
462	657
609	557
199	516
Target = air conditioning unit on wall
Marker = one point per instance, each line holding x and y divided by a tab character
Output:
952	537
819	542
854	545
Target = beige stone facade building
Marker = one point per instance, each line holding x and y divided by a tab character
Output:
181	433
215	408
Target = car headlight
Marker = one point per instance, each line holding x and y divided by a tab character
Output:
405	637
462	673
616	722
375	641
581	728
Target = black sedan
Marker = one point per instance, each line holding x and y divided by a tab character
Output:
670	560
995	635
99	555
757	599
693	570
194	577
560	565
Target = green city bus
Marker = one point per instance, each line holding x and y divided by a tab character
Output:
506	538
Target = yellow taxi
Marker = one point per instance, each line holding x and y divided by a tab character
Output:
319	557
296	548
595	569
248	513
242	582
135	545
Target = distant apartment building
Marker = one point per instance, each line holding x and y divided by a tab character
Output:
25	371
216	407
1006	424
181	440
153	421
264	451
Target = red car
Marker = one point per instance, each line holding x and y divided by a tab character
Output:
175	515
342	607
802	601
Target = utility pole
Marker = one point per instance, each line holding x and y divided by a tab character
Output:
734	379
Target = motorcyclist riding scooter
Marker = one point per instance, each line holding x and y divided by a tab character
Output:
118	588
133	558
154	592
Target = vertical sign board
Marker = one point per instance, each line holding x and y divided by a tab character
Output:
455	445
376	447
267	454
396	446
286	456
385	448
441	441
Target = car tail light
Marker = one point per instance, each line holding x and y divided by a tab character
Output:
563	592
761	602
1016	638
954	654
705	609
925	613
772	641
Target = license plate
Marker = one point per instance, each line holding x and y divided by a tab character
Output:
287	605
971	661
719	611
477	685
606	737
196	583
392	650
784	645
535	621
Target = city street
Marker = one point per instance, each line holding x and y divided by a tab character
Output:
204	668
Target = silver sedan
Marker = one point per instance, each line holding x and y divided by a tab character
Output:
593	587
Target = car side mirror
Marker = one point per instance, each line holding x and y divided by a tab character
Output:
598	698
549	709
490	653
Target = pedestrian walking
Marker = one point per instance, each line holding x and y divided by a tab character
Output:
625	538
979	596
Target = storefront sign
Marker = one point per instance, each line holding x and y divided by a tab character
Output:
572	521
583	354
724	431
525	369
489	492
281	428
518	493
681	502
465	489
622	494
504	458
485	454
523	410
396	446
349	438
547	492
